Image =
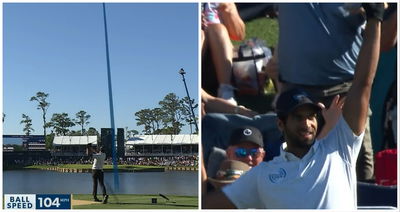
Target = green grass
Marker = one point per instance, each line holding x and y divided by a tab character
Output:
137	201
263	28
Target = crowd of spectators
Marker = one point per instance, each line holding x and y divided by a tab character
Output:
162	161
142	160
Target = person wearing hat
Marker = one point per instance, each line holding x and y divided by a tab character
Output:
246	145
245	150
312	173
97	171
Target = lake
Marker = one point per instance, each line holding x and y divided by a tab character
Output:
51	182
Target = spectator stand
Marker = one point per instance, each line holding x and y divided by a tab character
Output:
72	146
162	145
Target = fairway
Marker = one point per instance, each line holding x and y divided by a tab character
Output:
135	201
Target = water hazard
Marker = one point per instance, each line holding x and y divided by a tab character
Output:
51	182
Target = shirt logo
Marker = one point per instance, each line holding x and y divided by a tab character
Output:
277	177
247	132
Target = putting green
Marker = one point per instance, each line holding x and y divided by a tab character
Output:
135	201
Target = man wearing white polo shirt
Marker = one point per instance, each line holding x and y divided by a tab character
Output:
310	173
97	172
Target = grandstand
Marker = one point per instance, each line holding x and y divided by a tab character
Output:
71	146
162	145
166	150
141	145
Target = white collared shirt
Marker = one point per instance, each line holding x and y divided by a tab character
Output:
98	160
324	178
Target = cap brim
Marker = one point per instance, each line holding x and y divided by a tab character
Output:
313	105
316	107
258	143
219	183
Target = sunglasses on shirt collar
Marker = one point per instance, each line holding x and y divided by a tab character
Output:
243	152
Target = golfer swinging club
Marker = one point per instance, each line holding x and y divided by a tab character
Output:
97	171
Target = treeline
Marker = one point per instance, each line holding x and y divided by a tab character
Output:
169	118
60	123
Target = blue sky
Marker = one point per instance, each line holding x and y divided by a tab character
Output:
59	48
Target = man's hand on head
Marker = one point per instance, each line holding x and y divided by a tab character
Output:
331	115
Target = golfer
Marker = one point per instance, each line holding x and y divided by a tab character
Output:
97	172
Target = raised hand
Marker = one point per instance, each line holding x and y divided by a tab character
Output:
374	10
331	115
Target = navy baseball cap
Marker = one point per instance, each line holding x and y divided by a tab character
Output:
246	134
290	100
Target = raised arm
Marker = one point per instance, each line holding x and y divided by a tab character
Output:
89	149
355	109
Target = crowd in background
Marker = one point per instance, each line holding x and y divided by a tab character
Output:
142	160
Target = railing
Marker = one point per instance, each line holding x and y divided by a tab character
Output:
158	154
76	170
58	154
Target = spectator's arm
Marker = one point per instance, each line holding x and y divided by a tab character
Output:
203	177
389	32
219	105
230	18
355	109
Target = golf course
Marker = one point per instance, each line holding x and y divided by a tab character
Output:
135	201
